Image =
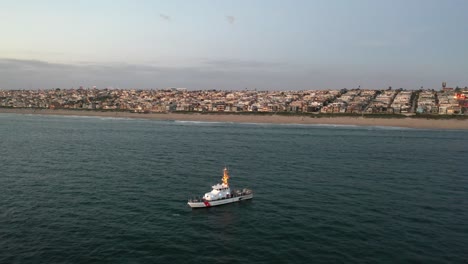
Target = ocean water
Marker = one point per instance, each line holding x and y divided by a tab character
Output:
109	190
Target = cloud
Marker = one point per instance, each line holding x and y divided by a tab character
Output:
165	17
32	65
229	74
230	19
207	74
242	64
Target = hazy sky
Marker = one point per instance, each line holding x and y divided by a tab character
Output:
217	44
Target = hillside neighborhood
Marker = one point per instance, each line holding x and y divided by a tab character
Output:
446	101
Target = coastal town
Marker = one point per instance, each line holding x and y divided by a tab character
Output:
444	101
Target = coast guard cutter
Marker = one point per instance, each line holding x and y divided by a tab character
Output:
221	194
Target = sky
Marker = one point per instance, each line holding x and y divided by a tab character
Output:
233	44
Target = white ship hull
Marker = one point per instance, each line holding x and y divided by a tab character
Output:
220	202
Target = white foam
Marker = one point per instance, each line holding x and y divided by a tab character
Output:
200	122
391	128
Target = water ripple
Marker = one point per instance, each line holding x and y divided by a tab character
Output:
90	190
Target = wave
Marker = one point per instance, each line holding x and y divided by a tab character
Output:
200	122
346	126
392	128
84	117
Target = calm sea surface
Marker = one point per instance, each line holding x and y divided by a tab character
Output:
104	190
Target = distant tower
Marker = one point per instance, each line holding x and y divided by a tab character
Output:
444	84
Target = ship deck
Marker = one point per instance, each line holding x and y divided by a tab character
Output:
234	194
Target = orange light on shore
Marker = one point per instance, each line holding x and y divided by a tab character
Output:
226	177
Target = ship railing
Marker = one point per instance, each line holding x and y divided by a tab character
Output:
233	194
195	200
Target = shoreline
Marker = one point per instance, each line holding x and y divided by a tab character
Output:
407	122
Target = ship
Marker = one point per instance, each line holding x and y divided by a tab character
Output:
221	194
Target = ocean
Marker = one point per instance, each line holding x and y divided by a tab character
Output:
110	190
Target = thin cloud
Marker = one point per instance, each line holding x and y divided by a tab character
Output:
243	64
231	19
18	64
211	74
165	17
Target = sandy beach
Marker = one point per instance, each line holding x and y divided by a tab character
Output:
274	119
